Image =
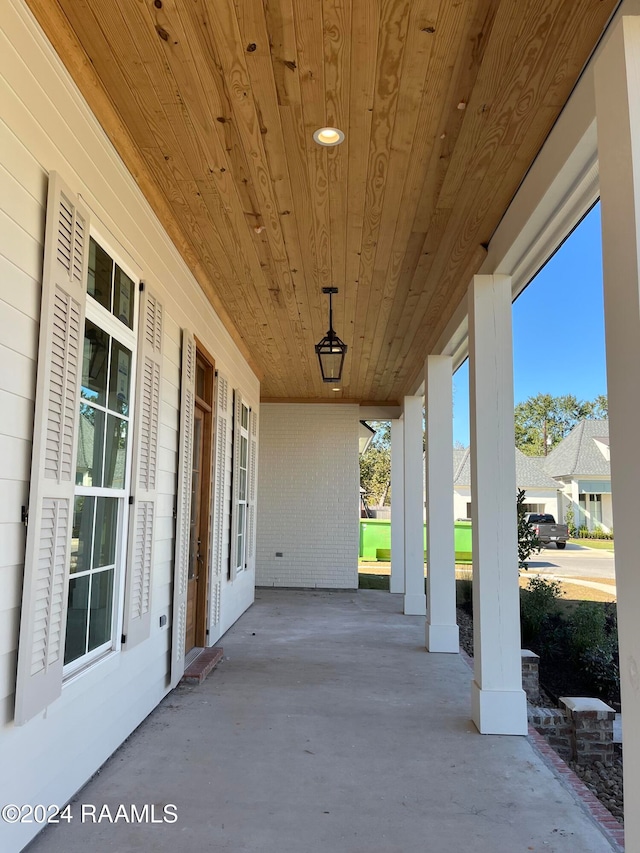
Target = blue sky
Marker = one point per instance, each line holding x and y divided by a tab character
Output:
558	329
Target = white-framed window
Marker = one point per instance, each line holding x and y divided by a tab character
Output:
103	461
538	508
240	475
94	470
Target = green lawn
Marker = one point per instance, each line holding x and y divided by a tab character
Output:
598	544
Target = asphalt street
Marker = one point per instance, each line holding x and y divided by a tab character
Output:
574	561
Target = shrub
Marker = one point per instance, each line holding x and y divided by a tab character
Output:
464	589
538	602
587	628
601	665
553	639
569	518
528	543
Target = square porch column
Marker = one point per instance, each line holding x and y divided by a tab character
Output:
497	698
396	582
414	595
617	90
442	633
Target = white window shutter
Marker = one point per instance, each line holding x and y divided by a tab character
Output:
237	420
137	610
251	494
53	465
183	505
219	496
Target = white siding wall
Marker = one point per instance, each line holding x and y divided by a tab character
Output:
308	509
44	126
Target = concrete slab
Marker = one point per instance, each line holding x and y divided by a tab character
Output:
327	729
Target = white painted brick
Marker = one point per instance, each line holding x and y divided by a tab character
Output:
308	500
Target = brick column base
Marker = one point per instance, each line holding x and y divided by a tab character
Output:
591	729
530	676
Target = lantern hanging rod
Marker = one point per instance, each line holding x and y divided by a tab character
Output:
330	291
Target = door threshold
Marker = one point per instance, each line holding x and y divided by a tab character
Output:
199	663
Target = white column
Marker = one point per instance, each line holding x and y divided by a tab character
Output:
617	88
575	500
414	597
396	583
498	700
442	630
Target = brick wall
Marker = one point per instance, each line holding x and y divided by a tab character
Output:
308	497
556	728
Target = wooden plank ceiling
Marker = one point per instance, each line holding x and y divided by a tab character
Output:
212	105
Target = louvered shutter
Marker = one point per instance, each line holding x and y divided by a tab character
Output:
251	492
137	611
183	506
219	498
237	422
53	464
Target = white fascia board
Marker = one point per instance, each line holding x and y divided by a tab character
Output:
379	413
559	189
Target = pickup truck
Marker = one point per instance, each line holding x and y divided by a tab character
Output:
547	530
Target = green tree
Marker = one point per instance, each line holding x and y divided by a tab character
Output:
541	422
600	407
528	543
375	465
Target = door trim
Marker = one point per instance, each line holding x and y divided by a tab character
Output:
205	404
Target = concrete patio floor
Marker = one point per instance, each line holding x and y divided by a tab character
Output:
327	729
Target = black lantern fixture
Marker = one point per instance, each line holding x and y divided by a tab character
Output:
331	350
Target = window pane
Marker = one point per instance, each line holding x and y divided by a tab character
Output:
240	543
101	608
245	417
90	446
81	534
115	457
104	548
77	612
200	381
94	364
123	298
120	378
99	275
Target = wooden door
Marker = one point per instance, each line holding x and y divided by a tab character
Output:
197	562
199	536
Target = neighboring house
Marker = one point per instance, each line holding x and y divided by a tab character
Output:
541	491
580	464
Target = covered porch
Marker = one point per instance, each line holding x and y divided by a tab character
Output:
328	727
472	150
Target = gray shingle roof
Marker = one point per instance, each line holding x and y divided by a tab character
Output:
530	471
578	454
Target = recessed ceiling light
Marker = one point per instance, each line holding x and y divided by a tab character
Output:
328	136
